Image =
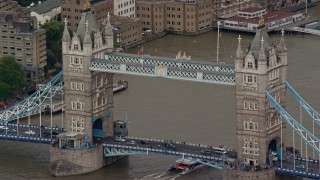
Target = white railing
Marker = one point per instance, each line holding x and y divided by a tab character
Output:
306	30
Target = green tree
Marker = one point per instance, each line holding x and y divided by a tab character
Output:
12	76
54	32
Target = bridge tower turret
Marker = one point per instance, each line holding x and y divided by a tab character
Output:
88	101
258	132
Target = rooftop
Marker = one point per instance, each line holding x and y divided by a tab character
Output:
269	17
121	20
251	9
45	6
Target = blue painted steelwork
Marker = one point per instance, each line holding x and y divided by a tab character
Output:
163	71
307	136
291	172
33	103
111	150
315	116
25	139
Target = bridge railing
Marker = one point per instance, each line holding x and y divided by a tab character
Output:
306	30
31	126
292	172
25	138
156	150
162	140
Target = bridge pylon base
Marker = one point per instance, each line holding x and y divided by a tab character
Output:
264	174
67	162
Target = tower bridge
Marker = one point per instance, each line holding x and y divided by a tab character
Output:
87	142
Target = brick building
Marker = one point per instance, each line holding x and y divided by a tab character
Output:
177	16
124	8
72	10
126	30
22	38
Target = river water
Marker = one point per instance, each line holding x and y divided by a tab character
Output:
179	110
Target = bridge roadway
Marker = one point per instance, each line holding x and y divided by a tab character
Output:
26	133
195	152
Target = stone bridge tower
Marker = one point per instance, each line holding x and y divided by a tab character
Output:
258	131
88	100
88	95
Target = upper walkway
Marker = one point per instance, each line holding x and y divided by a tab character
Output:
152	66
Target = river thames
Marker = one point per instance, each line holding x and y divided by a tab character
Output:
178	110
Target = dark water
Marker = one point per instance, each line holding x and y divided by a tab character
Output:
184	111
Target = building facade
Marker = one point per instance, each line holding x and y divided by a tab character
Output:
181	17
72	10
126	30
230	8
259	126
250	18
10	5
22	38
124	8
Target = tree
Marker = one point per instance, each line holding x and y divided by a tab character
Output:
12	76
54	32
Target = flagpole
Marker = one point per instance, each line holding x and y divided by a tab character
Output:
218	42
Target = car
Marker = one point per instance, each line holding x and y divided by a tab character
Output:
206	151
4	127
171	147
144	142
30	132
120	139
132	142
12	131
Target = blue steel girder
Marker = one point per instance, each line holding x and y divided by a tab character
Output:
297	173
307	136
313	114
124	150
33	103
170	63
163	71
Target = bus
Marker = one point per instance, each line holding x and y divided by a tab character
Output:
219	150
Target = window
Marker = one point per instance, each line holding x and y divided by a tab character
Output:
250	79
245	105
250	146
76	105
77	124
249	64
75	46
77	86
250	126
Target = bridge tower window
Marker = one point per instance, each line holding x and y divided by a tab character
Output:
76	105
77	124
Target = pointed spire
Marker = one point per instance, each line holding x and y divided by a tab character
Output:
262	54
239	52
282	44
108	28
86	38
66	35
